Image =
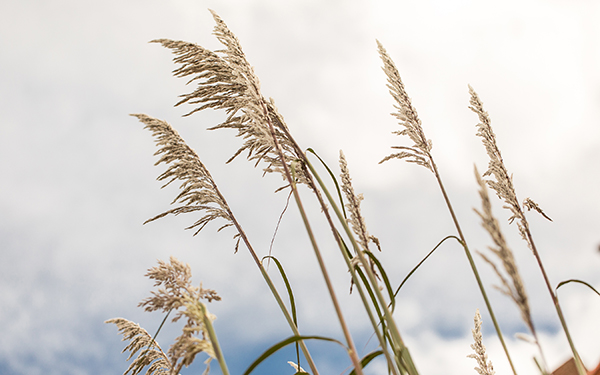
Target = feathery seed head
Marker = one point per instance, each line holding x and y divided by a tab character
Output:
484	366
225	80
356	219
199	191
514	288
503	184
150	354
174	280
406	114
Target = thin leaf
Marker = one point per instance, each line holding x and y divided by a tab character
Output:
291	296
386	280
368	358
576	281
284	343
422	261
337	186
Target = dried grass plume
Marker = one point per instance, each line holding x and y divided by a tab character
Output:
175	293
226	80
484	366
406	114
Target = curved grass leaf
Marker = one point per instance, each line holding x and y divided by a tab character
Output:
368	358
291	295
576	281
286	342
384	277
337	186
422	261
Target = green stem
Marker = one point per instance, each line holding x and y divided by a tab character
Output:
396	338
374	323
351	348
213	339
269	282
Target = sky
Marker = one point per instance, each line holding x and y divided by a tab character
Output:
77	178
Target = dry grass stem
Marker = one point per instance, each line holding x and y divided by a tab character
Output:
225	80
150	356
419	152
484	366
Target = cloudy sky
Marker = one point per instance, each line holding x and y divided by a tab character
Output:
77	178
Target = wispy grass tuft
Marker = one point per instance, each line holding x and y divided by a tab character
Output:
485	366
176	293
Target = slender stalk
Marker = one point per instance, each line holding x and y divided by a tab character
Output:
578	363
392	365
472	263
213	339
351	348
274	291
396	338
269	282
337	308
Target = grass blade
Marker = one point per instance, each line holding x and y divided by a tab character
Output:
290	340
576	281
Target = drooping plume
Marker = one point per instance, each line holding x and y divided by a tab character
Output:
226	80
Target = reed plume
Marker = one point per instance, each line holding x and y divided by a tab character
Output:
198	189
420	151
503	184
151	355
514	288
225	80
356	220
504	188
175	292
485	367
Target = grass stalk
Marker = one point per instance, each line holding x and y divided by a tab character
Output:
397	341
580	368
472	264
214	340
275	294
351	348
393	366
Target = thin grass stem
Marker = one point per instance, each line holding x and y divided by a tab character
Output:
345	254
352	349
214	340
472	264
397	341
580	368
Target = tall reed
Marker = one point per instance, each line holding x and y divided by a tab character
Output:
225	80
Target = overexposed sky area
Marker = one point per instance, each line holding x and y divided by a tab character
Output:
77	178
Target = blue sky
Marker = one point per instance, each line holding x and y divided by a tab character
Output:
77	176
